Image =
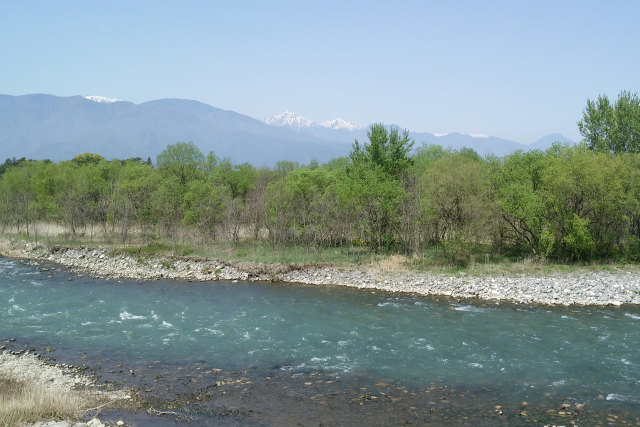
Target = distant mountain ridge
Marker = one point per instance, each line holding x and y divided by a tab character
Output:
58	128
298	122
345	131
99	98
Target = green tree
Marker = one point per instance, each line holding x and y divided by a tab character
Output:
300	205
9	163
518	183
612	127
239	181
456	197
18	196
427	154
376	199
71	193
585	196
375	183
88	159
183	160
133	200
44	182
388	149
203	205
567	203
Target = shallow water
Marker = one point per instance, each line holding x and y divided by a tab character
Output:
500	354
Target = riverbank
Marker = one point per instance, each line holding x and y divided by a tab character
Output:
579	287
33	390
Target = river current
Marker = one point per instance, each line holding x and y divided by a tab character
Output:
355	349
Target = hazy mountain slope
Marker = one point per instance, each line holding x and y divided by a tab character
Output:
58	128
548	140
46	126
482	145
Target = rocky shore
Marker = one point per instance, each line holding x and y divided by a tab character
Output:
65	381
583	287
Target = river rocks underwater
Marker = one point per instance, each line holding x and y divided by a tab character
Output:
273	354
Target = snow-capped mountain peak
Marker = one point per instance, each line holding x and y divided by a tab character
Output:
98	98
337	124
289	119
296	121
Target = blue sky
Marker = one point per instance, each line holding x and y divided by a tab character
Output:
515	69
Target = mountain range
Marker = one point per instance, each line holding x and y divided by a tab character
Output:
343	131
58	128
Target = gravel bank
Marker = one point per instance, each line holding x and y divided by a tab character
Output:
56	379
583	287
33	369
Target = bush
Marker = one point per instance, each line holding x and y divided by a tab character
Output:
578	241
187	250
457	252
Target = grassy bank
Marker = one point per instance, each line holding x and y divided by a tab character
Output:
477	263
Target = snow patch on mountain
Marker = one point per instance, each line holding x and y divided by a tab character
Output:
298	122
289	119
337	124
98	98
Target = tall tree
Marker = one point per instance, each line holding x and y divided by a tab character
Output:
612	127
183	160
388	149
19	196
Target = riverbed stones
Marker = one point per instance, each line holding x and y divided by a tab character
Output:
94	422
583	287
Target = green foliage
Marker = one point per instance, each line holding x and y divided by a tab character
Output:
630	251
373	190
300	206
203	205
238	179
439	206
456	196
167	264
567	203
518	184
151	249
87	159
612	127
18	197
457	252
9	163
427	154
578	240
187	250
389	149
183	160
284	167
166	203
547	242
337	163
375	198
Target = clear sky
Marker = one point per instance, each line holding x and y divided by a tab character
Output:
515	69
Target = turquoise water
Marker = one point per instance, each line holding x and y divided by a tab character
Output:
590	354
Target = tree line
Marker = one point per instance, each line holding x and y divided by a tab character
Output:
568	203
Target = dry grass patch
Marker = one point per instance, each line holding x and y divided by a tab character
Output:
389	264
32	391
21	403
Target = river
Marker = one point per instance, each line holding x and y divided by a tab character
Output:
265	353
